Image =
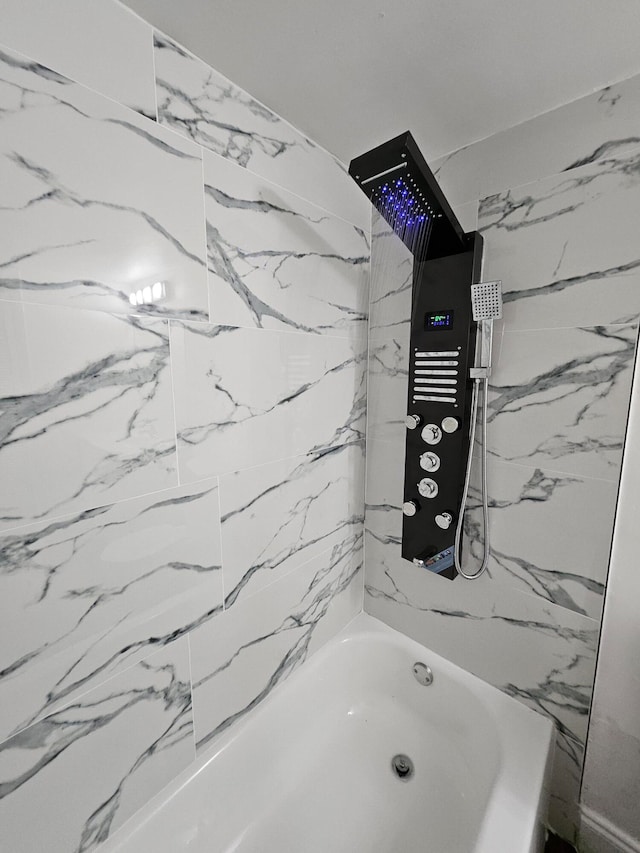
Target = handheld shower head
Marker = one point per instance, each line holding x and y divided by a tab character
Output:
486	306
486	300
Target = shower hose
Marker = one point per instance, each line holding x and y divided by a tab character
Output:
483	465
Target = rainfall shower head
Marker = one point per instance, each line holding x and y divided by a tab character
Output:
400	185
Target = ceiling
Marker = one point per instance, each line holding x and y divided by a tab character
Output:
352	73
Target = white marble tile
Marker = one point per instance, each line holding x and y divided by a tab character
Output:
566	247
278	516
559	398
69	781
239	658
391	281
55	681
388	385
86	415
384	491
98	202
250	396
278	262
550	534
600	125
77	594
467	214
200	103
98	43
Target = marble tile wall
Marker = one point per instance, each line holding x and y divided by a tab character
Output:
183	350
557	200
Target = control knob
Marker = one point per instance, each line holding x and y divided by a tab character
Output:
431	434
450	424
410	508
444	520
412	421
430	461
428	488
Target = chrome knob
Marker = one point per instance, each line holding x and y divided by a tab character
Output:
428	488
410	508
431	433
450	424
444	520
430	461
412	421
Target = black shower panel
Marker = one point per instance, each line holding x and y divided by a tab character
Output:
447	262
443	338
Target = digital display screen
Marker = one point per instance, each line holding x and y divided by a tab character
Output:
438	320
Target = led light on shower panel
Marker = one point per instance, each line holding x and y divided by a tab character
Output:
440	562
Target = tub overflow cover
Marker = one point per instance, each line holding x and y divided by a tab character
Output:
423	674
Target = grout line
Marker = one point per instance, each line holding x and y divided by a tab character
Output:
82	692
80	510
206	242
312	142
367	421
193	715
173	402
219	526
543	467
506	330
155	76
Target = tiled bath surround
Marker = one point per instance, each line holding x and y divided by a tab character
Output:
182	478
558	201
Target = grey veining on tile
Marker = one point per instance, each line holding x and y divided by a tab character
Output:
100	44
388	385
276	261
198	102
550	534
99	203
86	768
277	516
94	410
245	397
559	398
601	125
241	657
86	594
565	248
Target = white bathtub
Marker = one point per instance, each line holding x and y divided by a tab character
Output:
310	770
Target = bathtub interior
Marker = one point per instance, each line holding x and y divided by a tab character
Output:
310	769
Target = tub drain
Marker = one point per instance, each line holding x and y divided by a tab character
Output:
402	766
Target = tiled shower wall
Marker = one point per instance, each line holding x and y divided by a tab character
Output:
183	319
558	202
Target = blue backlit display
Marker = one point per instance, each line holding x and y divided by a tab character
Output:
438	320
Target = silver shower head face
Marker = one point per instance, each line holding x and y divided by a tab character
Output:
486	300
